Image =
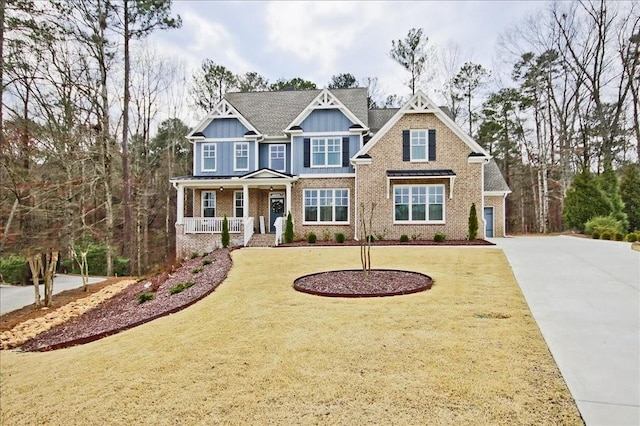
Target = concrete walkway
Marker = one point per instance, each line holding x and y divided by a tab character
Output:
16	297
585	297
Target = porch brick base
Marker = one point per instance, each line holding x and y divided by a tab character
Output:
200	243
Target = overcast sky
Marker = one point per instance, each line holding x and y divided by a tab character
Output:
315	40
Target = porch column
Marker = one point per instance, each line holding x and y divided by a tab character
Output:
245	201
180	205
288	198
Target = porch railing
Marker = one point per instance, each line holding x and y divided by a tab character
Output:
248	230
211	225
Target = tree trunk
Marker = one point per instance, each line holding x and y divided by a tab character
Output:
35	264
126	177
7	226
51	260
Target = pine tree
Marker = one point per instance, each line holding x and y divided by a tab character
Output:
473	222
225	232
630	194
288	230
609	184
584	201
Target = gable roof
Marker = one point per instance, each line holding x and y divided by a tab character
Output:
272	112
420	103
493	179
378	117
222	110
326	100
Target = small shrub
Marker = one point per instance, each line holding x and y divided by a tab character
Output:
311	238
595	235
632	238
178	288
606	235
140	279
196	270
340	237
415	237
370	238
602	224
619	236
381	236
205	254
404	238
145	297
14	269
439	237
207	262
194	255
326	235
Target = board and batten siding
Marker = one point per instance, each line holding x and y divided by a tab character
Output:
326	120
298	157
225	128
224	159
263	159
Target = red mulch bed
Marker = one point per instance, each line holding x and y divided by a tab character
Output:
123	311
352	283
303	243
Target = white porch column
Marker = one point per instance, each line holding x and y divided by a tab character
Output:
245	201
180	205
288	198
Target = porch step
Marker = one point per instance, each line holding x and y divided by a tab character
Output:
262	240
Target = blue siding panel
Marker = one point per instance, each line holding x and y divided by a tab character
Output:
225	128
326	120
298	158
224	160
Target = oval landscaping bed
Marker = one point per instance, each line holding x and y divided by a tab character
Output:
352	283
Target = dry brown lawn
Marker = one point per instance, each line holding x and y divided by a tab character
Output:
257	352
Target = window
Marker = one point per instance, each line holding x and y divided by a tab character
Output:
419	203
238	204
241	156
326	152
326	205
419	145
208	204
277	154
209	157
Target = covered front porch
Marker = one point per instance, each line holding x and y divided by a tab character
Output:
255	203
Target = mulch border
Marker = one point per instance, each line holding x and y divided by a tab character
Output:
361	295
98	336
386	243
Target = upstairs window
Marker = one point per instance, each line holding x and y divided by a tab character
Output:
241	156
419	203
326	152
208	204
419	145
209	157
277	154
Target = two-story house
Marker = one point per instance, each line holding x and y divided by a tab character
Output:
324	156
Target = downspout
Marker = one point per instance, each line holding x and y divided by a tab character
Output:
484	221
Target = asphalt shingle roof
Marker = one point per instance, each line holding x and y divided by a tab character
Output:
493	180
379	117
272	112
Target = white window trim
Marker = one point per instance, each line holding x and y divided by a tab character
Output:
215	202
326	152
235	206
420	222
235	157
318	222
215	157
284	160
426	146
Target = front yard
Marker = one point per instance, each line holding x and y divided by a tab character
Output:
256	351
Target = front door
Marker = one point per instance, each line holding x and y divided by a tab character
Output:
276	210
488	218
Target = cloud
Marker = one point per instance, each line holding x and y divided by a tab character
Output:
320	33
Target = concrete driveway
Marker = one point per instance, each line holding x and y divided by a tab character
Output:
16	297
585	297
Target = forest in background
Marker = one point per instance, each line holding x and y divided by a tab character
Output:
94	120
